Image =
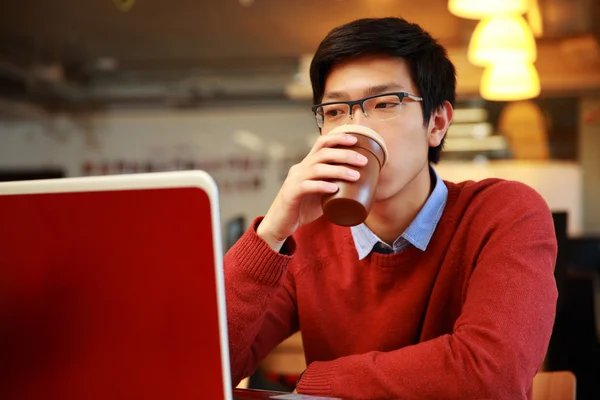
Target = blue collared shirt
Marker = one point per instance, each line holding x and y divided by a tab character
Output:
418	233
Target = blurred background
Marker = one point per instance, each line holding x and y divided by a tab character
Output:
126	86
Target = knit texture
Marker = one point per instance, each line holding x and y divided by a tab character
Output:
470	317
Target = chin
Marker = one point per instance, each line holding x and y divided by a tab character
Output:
385	192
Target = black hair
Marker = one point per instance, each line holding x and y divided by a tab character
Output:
431	70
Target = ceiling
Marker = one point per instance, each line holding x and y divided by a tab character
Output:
55	49
179	31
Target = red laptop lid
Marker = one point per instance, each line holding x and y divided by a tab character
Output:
109	289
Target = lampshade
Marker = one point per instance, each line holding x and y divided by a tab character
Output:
534	18
510	82
502	39
479	9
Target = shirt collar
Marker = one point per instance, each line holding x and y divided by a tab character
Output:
420	230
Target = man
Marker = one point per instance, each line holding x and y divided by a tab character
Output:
446	291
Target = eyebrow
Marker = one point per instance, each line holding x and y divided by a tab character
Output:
370	91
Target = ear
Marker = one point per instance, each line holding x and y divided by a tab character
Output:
439	123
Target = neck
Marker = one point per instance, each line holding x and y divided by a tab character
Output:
389	218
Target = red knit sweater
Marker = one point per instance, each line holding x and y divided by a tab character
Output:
470	317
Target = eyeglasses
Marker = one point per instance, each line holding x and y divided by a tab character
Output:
379	108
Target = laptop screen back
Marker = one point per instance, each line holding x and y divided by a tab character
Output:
111	294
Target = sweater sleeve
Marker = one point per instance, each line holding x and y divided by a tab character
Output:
261	301
500	338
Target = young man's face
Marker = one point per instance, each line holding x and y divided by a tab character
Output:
406	137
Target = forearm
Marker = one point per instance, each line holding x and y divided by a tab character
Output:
259	308
488	355
246	307
448	367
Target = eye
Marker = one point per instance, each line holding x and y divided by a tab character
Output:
387	104
332	112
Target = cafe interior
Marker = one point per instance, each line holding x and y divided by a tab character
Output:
140	86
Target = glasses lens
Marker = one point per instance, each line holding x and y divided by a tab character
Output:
319	117
383	107
333	114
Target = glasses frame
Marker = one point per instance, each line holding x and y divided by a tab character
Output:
361	103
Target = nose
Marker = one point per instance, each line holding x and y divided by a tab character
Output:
357	115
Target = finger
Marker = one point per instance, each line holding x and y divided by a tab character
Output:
333	140
315	187
331	172
339	156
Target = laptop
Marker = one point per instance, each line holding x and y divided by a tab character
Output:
112	288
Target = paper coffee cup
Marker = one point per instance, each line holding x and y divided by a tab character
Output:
352	203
